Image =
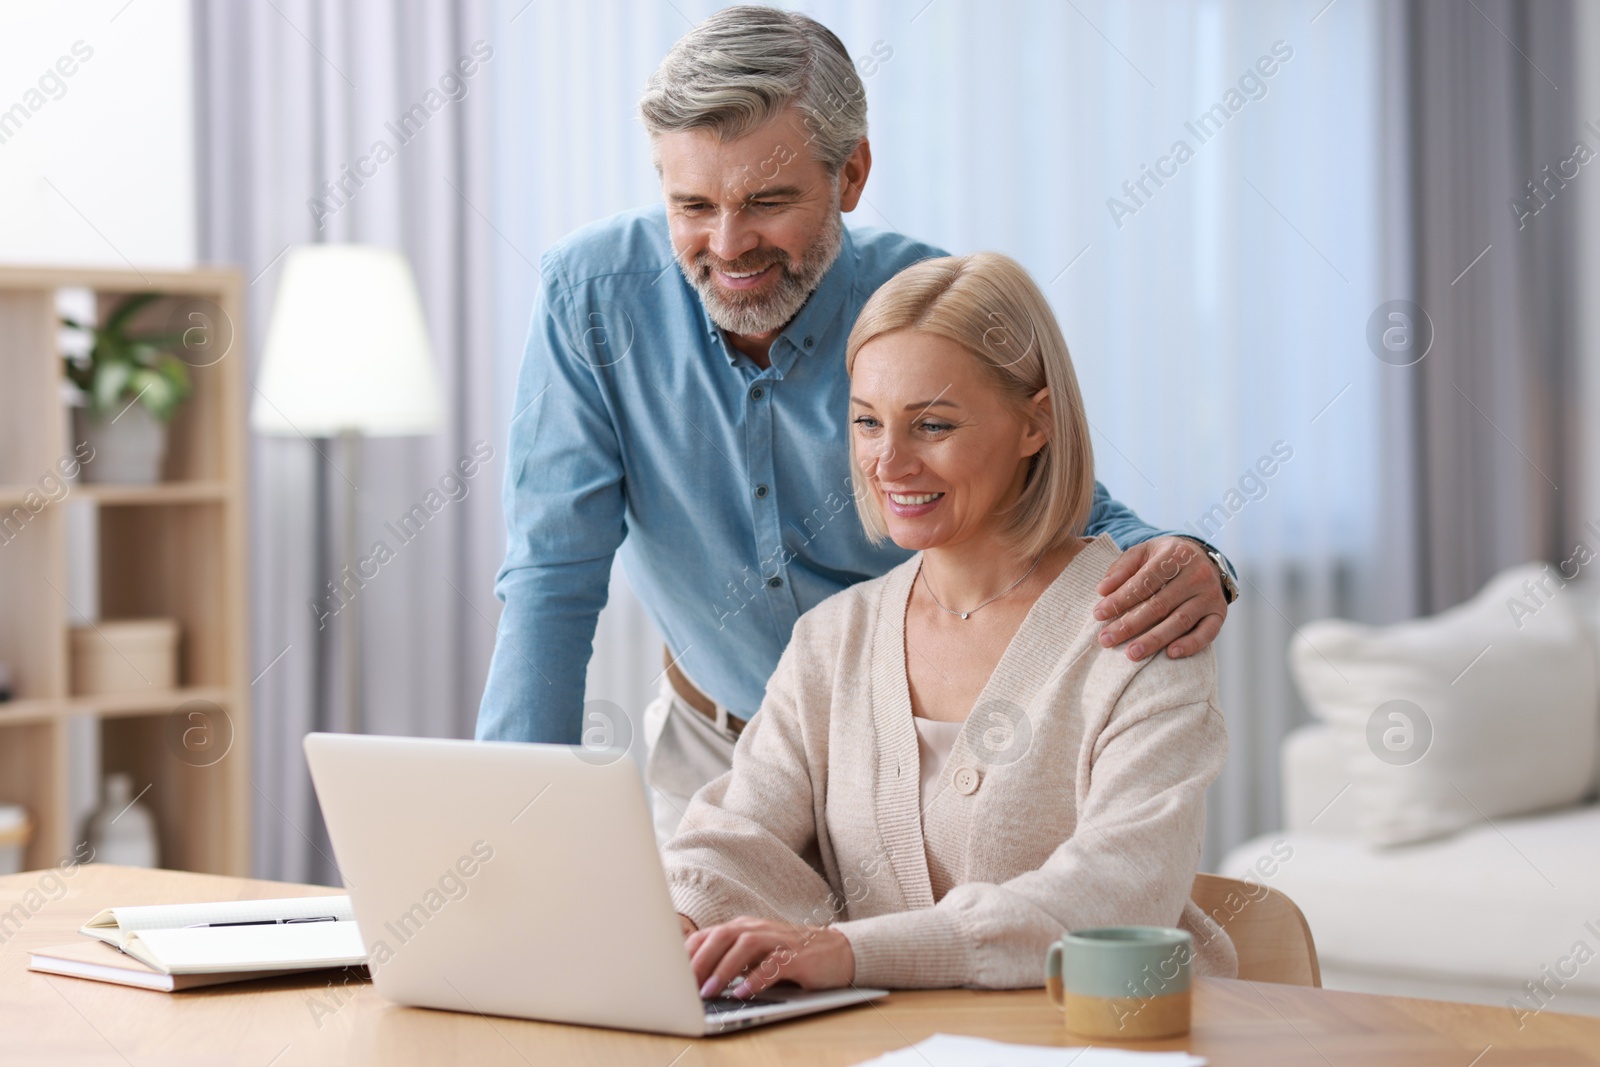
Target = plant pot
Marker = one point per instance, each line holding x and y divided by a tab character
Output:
128	448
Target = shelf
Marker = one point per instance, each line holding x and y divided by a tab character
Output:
157	700
106	705
160	493
27	711
201	281
199	490
174	549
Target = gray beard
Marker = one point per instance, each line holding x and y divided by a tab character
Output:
740	314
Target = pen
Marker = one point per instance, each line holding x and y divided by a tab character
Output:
266	922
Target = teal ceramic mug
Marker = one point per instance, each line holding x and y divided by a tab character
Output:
1123	982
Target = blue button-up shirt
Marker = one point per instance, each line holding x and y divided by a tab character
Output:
724	485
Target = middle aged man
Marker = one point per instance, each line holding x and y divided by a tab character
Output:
683	399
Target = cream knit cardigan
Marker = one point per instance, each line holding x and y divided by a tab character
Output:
1074	796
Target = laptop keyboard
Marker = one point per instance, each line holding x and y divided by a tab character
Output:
719	1005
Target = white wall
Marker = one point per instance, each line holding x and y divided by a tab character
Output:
96	169
96	166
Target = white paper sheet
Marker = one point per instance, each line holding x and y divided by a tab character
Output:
954	1050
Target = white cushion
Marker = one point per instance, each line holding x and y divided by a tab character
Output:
1493	904
1316	789
1586	605
1508	695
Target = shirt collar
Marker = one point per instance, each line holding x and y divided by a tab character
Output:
815	317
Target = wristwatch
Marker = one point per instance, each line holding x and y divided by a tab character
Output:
1230	588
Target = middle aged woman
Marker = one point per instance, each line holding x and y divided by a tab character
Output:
948	770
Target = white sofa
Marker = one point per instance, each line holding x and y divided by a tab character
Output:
1504	910
1469	917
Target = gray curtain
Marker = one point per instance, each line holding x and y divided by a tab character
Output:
1493	430
288	95
1481	436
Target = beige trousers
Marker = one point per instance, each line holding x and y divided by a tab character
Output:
686	750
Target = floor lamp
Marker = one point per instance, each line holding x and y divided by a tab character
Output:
347	355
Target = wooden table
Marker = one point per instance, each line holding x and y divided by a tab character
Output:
284	1022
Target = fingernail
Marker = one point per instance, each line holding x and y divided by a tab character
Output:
1106	640
710	988
741	990
1102	613
1136	652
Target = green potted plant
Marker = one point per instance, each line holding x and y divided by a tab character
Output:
130	386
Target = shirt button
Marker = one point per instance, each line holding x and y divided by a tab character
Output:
757	393
965	781
810	341
761	491
774	583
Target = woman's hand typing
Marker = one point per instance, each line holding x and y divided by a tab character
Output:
764	951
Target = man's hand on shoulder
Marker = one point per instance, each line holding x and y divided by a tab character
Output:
1164	593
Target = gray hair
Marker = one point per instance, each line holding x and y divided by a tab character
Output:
742	66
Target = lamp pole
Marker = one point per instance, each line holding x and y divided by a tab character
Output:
347	356
349	453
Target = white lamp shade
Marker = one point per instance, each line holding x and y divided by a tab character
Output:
347	348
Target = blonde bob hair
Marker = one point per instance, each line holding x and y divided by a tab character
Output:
987	304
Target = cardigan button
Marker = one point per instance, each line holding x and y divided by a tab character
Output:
966	781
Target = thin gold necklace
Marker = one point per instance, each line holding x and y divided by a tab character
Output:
963	614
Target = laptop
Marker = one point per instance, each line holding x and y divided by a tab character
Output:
519	880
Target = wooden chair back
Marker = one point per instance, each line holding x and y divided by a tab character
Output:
1267	929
